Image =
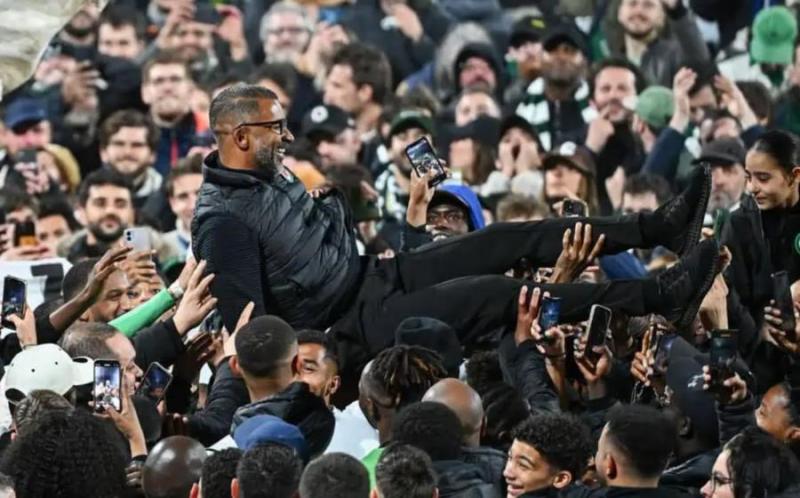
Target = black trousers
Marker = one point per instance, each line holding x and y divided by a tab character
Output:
460	282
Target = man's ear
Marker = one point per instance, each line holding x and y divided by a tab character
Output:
296	365
233	362
336	382
235	488
685	427
562	479
793	434
795	175
80	215
241	138
611	467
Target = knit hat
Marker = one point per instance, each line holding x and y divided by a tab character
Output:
774	32
655	106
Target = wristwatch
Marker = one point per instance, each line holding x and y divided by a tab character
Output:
176	291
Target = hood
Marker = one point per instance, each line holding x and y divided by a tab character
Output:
467	198
300	407
464	480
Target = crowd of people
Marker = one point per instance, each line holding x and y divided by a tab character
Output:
214	205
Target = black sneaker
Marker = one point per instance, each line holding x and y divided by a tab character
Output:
683	286
677	224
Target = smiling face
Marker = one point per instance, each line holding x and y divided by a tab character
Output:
318	371
108	211
773	416
771	186
641	18
526	470
167	90
613	86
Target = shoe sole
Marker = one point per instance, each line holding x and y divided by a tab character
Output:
696	223
687	317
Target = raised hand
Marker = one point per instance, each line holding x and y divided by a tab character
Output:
576	253
197	301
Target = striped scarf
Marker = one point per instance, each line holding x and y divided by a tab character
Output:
536	109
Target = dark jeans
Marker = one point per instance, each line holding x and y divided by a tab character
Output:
460	282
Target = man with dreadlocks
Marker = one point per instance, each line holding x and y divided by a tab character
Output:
397	377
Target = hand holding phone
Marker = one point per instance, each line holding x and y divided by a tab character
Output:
14	297
138	238
783	301
155	382
550	312
107	385
596	331
573	209
722	354
423	159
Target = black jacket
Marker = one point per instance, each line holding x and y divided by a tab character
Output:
226	395
614	492
494	461
458	479
269	242
524	368
298	406
761	242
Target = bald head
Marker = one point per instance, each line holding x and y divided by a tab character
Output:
172	467
465	402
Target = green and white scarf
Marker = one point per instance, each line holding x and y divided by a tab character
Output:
536	109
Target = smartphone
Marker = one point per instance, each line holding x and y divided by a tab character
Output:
722	355
14	297
599	321
549	312
138	238
107	385
661	354
423	158
27	156
155	382
781	289
25	234
330	15
212	324
573	208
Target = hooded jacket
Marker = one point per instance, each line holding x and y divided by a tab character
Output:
270	242
414	237
458	479
297	406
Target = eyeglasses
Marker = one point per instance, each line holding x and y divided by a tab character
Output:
277	126
289	30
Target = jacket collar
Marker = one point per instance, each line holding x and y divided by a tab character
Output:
216	172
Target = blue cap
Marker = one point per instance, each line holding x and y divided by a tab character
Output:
270	429
24	110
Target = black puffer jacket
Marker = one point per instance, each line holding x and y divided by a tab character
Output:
269	242
298	406
458	479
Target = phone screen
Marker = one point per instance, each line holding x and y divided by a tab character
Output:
549	313
13	300
25	234
723	348
155	382
26	156
573	208
661	356
783	300
599	321
423	159
107	385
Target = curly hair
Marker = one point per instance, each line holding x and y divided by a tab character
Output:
270	470
483	371
335	474
65	454
431	427
404	471
760	465
219	470
563	440
405	372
